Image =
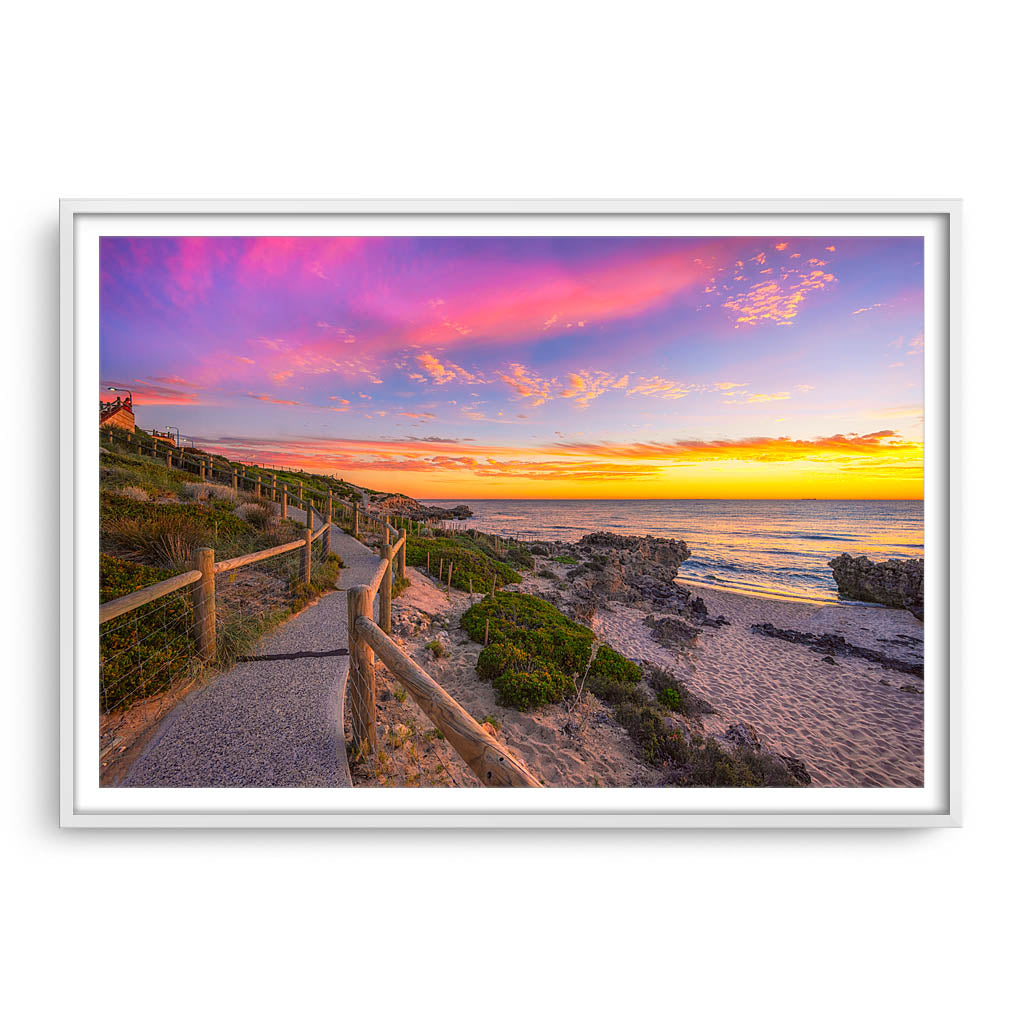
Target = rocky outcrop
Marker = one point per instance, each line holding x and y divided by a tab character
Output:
640	571
403	505
672	633
831	644
743	736
898	583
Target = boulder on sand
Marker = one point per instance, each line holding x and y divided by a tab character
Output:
898	583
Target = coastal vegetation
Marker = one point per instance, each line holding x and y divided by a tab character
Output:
533	651
152	520
474	561
664	739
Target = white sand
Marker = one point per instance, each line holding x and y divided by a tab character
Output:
850	722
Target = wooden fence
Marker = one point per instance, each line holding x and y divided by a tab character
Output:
488	759
485	756
201	577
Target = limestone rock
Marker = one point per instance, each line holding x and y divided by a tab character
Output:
742	734
897	583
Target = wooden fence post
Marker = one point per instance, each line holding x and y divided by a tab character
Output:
234	479
204	608
355	523
284	501
450	564
202	470
259	486
300	492
273	487
361	673
401	558
168	460
307	556
385	587
330	507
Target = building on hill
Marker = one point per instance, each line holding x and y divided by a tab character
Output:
118	413
165	437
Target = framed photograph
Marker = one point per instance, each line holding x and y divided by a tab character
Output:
509	514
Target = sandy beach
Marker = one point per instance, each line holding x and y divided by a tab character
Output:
852	722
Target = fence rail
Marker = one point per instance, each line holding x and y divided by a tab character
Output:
485	756
138	598
144	640
492	764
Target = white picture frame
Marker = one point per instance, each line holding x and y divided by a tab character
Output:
84	805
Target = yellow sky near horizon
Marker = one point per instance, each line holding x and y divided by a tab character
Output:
881	465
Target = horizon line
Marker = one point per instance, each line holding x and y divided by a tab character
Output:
464	499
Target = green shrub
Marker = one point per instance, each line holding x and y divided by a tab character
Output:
519	556
141	652
469	563
611	665
566	559
534	650
697	761
497	659
685	700
525	690
534	625
613	691
670	698
437	649
118	577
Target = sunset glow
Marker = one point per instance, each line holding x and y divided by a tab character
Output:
557	367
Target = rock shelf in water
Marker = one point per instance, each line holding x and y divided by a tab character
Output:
897	583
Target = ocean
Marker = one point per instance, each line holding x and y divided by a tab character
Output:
762	548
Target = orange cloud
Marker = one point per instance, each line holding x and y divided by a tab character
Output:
528	385
757	449
660	387
270	398
774	302
587	385
843	463
442	373
745	398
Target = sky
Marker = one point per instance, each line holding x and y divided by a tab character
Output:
533	367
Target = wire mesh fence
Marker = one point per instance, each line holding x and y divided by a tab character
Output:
144	651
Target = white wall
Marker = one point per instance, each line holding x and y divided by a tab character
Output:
531	99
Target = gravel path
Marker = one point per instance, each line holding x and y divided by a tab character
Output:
275	719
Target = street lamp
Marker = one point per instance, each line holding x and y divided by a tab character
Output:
130	400
177	436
